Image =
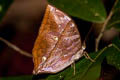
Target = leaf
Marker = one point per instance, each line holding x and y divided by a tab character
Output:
90	10
114	58
4	5
26	77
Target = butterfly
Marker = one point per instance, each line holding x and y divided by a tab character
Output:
58	43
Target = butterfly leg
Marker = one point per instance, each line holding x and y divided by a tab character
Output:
73	65
85	53
87	56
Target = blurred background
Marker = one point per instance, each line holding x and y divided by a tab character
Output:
20	26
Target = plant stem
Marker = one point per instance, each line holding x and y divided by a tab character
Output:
16	48
104	27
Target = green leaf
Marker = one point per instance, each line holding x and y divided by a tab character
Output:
26	77
4	5
114	58
90	10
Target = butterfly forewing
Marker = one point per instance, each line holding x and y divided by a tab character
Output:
58	43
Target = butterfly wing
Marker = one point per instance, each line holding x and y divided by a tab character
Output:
58	43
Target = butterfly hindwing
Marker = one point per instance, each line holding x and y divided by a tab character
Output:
57	44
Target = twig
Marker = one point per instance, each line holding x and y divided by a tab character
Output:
104	27
16	48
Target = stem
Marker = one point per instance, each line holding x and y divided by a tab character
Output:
16	48
104	27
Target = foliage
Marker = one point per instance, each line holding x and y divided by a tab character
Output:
113	58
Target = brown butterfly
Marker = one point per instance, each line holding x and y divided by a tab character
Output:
58	44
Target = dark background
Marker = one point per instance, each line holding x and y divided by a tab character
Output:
20	26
